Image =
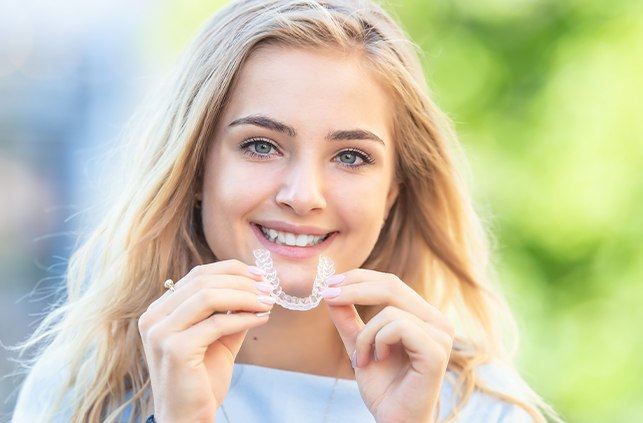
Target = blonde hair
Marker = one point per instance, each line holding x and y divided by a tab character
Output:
432	238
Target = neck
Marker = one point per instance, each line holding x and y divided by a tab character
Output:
299	341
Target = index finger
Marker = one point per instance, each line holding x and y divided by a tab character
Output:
369	287
231	267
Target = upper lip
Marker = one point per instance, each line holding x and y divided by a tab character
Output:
295	229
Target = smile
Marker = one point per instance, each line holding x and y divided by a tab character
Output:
291	245
291	239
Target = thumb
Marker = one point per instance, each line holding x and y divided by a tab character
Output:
348	323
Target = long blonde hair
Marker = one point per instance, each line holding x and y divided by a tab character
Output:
432	239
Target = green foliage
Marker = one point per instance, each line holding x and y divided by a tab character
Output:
545	97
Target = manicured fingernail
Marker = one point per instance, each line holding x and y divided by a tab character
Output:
262	314
264	287
335	280
354	359
331	292
256	270
266	299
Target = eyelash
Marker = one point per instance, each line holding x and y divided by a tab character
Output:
367	160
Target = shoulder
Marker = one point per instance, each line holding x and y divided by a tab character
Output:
486	407
39	391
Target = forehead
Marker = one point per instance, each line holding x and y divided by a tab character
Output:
313	90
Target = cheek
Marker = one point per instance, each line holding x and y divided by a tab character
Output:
231	192
361	205
233	188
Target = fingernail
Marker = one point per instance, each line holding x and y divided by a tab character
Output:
262	314
266	299
330	292
256	270
264	287
335	280
375	355
354	359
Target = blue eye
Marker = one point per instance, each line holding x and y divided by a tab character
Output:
353	154
260	148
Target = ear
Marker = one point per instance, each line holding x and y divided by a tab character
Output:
391	197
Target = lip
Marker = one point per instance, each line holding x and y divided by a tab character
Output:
292	252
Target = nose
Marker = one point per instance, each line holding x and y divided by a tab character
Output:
302	189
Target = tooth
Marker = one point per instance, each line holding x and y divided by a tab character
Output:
290	239
281	238
302	240
311	239
273	234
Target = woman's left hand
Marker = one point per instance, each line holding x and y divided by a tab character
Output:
412	343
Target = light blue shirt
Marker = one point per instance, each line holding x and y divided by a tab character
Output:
266	395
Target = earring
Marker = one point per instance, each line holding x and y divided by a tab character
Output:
197	204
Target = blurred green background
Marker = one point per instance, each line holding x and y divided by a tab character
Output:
546	98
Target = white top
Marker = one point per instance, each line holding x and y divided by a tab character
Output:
266	395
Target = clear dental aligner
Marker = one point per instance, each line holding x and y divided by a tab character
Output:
325	268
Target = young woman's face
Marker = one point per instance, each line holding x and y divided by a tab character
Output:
305	147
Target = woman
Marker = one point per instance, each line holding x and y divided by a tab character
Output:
285	118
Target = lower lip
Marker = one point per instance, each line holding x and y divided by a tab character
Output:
293	252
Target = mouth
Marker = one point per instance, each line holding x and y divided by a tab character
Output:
290	244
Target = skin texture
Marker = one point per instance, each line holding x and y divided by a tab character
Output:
303	180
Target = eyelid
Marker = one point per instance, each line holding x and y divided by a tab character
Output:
255	139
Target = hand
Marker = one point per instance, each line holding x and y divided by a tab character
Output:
190	348
412	343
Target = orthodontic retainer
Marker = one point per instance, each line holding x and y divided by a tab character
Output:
325	268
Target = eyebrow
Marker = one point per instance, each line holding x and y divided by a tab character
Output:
275	125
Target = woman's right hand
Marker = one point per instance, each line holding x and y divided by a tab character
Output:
191	343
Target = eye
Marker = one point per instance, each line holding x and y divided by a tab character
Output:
349	156
257	147
260	148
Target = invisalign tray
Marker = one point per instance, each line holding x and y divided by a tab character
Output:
325	268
